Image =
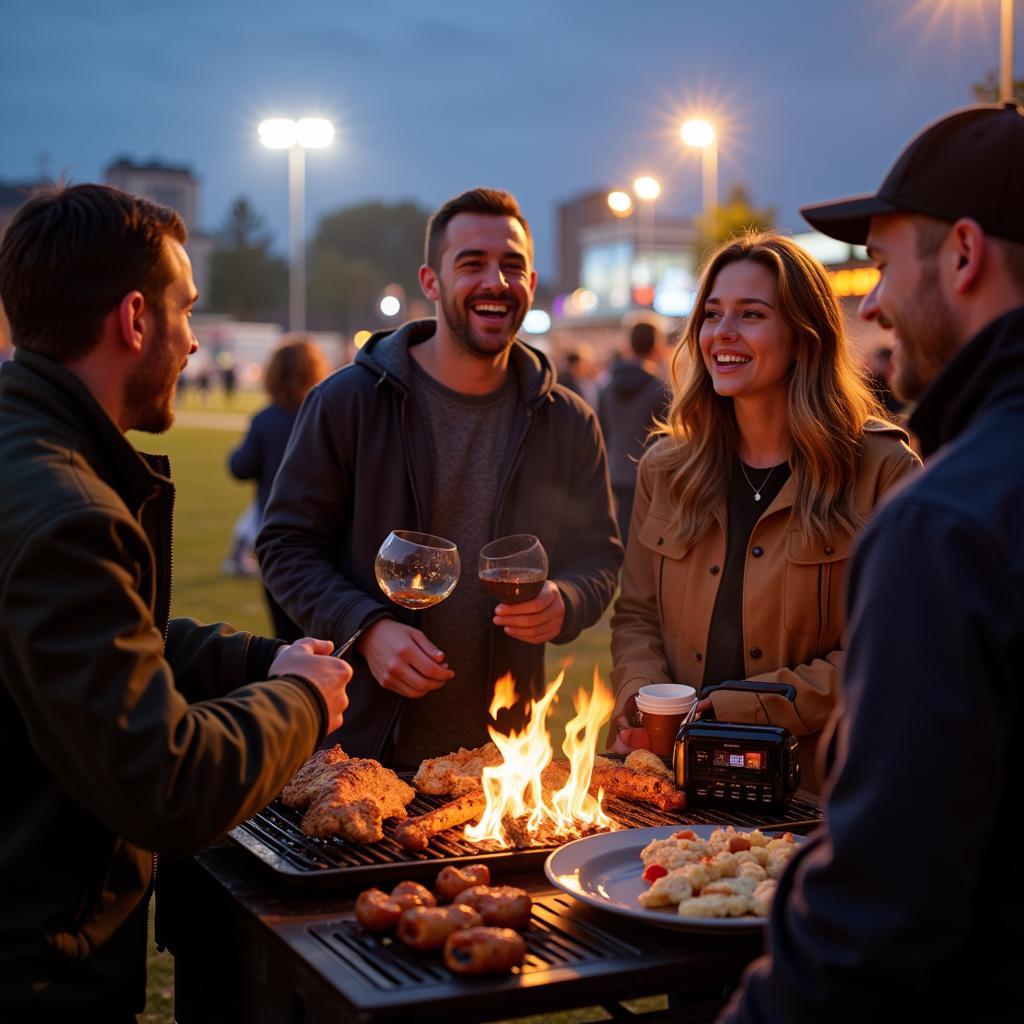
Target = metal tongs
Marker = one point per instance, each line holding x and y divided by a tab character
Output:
342	649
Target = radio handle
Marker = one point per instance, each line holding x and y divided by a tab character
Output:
786	690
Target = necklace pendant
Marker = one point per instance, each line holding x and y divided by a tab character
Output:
757	496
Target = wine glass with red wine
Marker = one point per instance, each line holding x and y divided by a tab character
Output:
513	569
416	570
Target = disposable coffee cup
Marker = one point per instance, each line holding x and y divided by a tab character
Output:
662	707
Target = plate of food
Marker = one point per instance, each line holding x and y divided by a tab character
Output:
699	878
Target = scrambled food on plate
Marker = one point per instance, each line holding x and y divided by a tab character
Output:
346	796
731	874
476	932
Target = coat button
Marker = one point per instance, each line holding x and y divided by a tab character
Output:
757	552
698	656
715	570
661	540
755	652
829	550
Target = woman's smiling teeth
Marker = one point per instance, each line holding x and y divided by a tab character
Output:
727	359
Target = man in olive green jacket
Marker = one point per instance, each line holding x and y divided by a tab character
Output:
121	731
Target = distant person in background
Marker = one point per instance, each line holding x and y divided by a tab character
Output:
627	406
879	368
773	457
579	375
293	369
228	375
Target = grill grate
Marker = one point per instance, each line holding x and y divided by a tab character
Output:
554	940
275	838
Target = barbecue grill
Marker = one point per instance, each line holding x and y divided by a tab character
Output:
275	839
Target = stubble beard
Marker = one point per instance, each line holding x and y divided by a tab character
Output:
150	388
929	333
456	319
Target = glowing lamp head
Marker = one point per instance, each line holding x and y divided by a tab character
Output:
697	133
647	188
620	204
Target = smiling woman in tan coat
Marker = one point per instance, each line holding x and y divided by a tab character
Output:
772	458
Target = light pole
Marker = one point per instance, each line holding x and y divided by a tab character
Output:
296	137
701	135
1006	52
647	190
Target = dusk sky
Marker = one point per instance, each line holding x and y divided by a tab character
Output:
548	99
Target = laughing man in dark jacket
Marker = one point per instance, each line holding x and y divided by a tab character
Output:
906	906
456	428
121	732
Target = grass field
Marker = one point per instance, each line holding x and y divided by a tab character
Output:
208	503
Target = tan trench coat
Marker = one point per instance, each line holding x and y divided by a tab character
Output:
793	601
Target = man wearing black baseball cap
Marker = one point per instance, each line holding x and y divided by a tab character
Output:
906	902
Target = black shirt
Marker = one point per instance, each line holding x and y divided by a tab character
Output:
725	654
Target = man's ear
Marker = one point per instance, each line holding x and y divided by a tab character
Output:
968	242
429	283
131	322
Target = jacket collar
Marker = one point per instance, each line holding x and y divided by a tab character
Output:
65	398
988	369
386	354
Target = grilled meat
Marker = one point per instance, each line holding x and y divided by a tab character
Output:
348	797
311	776
416	833
455	774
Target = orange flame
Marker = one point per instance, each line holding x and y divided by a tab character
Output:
515	787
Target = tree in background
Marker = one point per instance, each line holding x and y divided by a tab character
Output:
733	217
356	254
987	90
245	279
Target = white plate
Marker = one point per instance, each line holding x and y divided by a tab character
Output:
606	871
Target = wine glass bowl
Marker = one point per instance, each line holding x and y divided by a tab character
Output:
513	569
416	570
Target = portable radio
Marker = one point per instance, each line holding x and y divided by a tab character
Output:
735	763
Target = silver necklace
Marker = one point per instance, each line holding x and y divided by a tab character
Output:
764	483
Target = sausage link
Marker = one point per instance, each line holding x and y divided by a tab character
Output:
483	950
502	906
427	928
376	911
412	894
452	880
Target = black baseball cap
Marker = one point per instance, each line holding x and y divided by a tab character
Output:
967	164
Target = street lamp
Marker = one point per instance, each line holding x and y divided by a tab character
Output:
296	137
701	135
647	190
1006	52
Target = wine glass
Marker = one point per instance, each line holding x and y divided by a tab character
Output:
416	570
513	569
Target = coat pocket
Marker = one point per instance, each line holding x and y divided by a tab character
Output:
667	552
815	577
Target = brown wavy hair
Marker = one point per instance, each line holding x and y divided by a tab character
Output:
829	402
293	369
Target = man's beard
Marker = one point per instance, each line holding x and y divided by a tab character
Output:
457	319
150	388
928	333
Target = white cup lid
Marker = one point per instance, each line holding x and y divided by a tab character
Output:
667	693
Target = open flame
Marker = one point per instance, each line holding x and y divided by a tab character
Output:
417	582
528	784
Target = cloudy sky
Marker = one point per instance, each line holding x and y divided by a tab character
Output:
546	98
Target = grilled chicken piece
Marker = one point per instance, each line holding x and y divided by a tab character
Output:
354	798
456	773
416	833
312	775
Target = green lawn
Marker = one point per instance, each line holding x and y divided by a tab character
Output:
208	502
